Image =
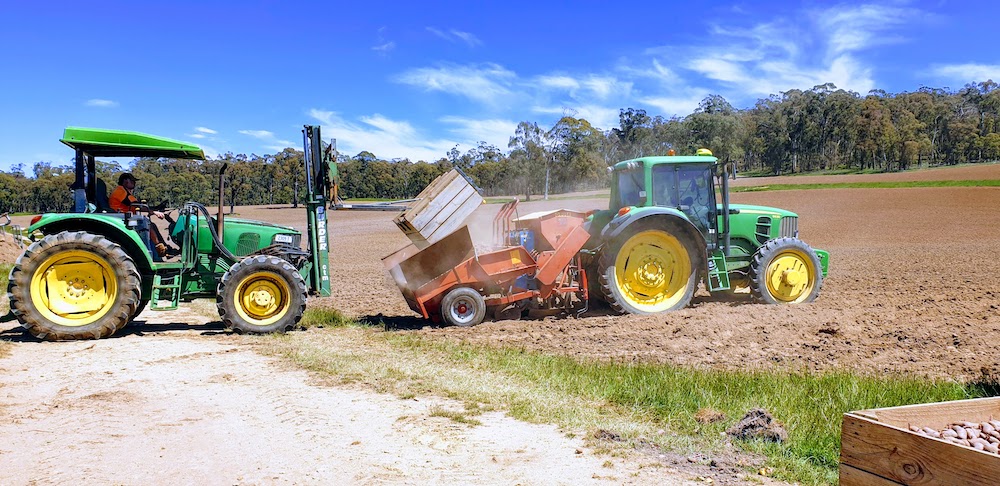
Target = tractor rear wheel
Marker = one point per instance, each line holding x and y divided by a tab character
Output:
261	294
463	307
785	271
73	285
650	271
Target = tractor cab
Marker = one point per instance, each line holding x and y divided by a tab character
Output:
684	184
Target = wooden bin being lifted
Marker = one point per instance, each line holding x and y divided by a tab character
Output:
877	447
441	208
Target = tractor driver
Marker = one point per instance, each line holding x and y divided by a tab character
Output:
122	201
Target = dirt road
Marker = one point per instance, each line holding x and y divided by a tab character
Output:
182	404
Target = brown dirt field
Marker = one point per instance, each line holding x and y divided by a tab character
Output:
974	172
913	287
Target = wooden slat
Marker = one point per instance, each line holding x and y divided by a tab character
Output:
445	223
937	415
850	476
443	207
912	459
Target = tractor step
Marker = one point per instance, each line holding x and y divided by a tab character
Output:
170	283
718	273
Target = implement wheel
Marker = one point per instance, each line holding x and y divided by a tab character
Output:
650	271
785	271
73	285
261	294
463	307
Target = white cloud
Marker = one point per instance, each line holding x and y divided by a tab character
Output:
963	73
439	33
210	152
600	117
856	27
205	130
558	82
797	51
196	135
382	45
281	145
454	35
586	86
496	132
384	48
604	87
261	134
386	138
99	103
675	105
467	37
488	83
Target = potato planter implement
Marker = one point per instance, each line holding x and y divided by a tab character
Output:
669	227
90	272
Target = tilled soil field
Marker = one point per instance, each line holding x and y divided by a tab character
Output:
914	286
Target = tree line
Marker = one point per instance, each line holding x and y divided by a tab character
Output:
823	128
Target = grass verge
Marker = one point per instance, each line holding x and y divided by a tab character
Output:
638	402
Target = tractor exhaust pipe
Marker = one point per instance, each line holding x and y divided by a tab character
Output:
222	201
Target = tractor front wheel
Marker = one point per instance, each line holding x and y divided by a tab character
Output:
649	272
463	307
73	285
785	271
261	294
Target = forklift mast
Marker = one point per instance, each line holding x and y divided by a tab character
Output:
318	174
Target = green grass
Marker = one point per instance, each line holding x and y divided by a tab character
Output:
321	317
632	400
809	405
5	274
867	185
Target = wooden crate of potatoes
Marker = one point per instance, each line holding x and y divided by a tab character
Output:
935	443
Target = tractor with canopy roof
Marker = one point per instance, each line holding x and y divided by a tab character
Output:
90	272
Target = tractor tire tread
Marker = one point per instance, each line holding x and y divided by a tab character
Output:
763	256
19	286
226	302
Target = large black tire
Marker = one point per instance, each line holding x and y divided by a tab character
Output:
463	307
138	310
73	285
261	294
650	270
785	271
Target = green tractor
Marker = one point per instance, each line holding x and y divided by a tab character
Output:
90	272
670	225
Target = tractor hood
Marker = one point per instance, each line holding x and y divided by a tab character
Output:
762	210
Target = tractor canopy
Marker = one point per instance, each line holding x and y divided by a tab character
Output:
99	142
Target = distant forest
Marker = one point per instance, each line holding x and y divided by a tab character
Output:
821	129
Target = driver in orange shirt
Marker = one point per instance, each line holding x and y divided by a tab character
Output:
122	200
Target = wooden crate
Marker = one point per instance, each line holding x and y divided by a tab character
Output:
442	207
877	447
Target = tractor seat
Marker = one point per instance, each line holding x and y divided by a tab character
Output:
101	196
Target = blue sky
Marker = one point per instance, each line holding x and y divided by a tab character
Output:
414	79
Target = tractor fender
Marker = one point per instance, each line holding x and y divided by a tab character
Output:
109	227
656	217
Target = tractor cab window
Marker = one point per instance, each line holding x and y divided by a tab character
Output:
631	188
696	194
687	188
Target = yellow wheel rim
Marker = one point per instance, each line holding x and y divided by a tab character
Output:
791	276
652	271
74	288
262	298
